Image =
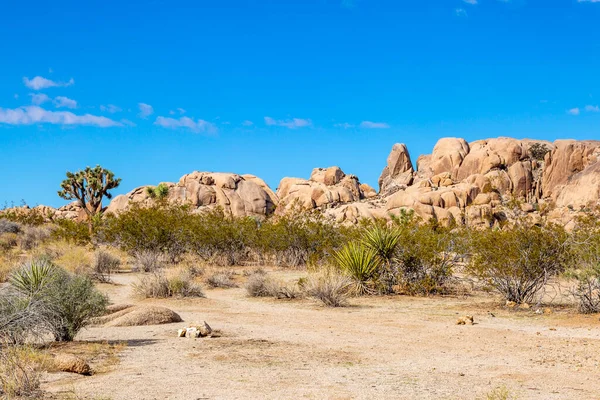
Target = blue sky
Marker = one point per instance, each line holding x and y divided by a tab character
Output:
156	89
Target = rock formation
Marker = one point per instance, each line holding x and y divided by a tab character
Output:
481	183
237	195
326	188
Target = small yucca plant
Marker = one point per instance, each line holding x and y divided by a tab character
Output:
384	242
33	277
360	263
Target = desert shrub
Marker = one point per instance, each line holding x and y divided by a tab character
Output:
329	287
103	265
161	228
538	151
73	300
221	279
425	258
220	239
8	241
159	192
33	236
72	231
586	271
261	285
299	238
19	372
23	318
7	226
24	215
157	285
148	261
360	263
518	261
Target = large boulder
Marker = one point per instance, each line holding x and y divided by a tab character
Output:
326	187
237	195
568	158
398	172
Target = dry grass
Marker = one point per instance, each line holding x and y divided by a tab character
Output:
262	285
101	356
221	279
20	371
329	287
157	285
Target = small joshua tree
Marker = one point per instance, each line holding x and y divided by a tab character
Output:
89	187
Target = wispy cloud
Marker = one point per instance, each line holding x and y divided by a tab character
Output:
591	108
61	101
374	125
344	125
588	1
461	12
471	2
289	123
247	123
127	122
197	126
349	3
39	83
39	98
574	111
111	108
145	110
36	115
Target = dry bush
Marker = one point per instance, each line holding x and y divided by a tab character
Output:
221	279
103	265
32	237
7	226
255	271
261	285
8	240
157	285
20	372
149	260
72	257
329	287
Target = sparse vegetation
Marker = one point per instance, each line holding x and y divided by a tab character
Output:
221	279
157	285
103	265
329	287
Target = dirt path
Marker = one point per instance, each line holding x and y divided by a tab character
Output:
383	348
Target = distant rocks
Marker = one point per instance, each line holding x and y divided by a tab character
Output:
237	195
483	183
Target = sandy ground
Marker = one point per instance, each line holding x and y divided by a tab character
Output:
379	348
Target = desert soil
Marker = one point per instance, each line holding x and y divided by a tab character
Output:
379	348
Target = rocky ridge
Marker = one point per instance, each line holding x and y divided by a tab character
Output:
481	183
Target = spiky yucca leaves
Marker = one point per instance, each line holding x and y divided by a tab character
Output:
33	277
360	263
383	242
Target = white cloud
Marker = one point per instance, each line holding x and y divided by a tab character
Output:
111	108
470	1
61	101
186	122
461	12
39	82
588	1
344	125
36	115
290	123
574	111
591	108
247	123
181	110
128	122
374	125
39	98
145	110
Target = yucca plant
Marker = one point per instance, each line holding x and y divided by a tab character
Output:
360	263
383	242
33	277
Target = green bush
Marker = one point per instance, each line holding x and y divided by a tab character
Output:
518	261
71	300
586	272
72	231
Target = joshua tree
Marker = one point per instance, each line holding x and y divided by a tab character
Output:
88	187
